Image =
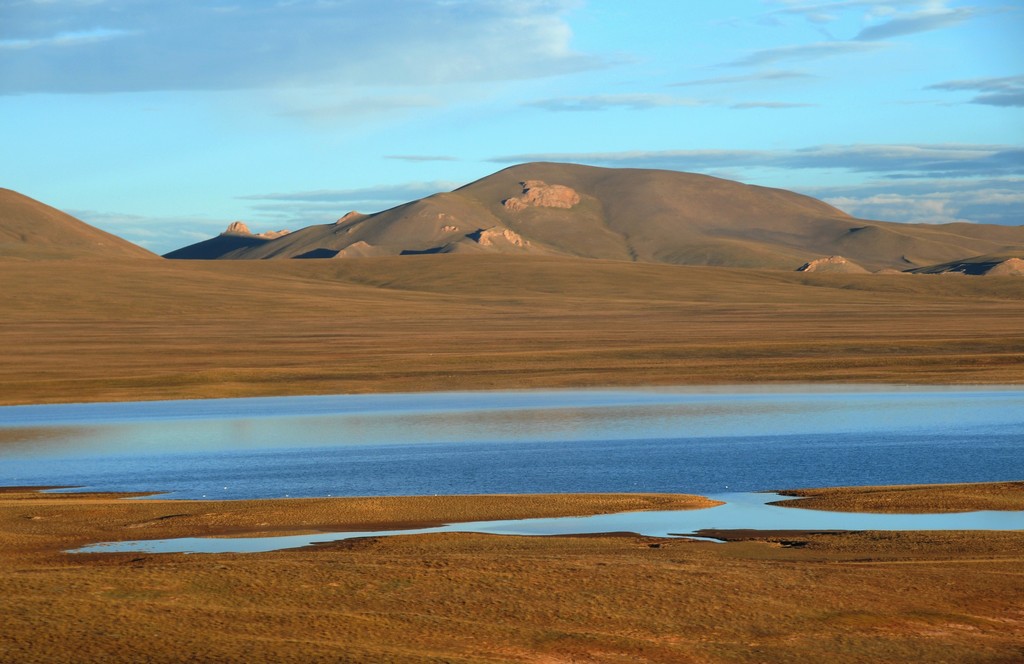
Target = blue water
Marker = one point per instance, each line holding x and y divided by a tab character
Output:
740	511
702	441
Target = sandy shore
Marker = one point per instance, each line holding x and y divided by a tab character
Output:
855	597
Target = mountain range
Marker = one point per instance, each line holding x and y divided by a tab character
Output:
574	211
650	216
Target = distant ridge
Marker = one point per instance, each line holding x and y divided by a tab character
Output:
31	230
651	216
236	238
995	266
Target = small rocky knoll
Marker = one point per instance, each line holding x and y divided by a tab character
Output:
832	264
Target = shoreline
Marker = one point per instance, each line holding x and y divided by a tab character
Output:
462	597
114	517
740	388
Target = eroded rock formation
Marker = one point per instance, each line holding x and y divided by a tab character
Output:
493	236
537	193
240	228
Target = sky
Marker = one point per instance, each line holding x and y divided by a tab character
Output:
163	122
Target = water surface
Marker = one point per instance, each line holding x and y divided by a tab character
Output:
688	440
741	511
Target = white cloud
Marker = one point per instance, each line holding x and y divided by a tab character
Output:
191	45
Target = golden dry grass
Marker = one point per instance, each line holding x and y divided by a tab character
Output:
911	499
133	330
858	597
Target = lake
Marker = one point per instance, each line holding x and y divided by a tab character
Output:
703	441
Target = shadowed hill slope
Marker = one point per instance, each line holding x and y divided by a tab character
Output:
649	216
33	230
996	266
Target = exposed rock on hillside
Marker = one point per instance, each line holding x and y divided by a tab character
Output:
537	193
832	264
237	228
240	228
493	236
350	216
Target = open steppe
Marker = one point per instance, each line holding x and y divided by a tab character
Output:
91	330
851	597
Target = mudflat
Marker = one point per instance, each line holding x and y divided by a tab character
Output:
850	597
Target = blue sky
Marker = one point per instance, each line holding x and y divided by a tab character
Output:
164	121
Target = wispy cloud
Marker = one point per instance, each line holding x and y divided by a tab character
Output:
746	105
159	234
886	19
297	209
387	193
826	12
1004	91
63	39
420	157
894	161
994	201
922	21
191	45
635	102
813	51
362	107
773	75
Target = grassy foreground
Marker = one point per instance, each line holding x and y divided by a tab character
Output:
82	330
855	597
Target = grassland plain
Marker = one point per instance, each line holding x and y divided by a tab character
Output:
87	330
853	597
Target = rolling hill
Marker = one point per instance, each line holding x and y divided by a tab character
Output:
33	230
648	216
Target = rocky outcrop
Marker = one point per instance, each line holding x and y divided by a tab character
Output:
537	193
237	228
240	228
350	216
496	237
1011	267
832	264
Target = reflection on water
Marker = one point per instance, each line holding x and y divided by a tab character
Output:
689	441
740	511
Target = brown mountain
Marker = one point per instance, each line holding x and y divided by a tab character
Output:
633	215
32	230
